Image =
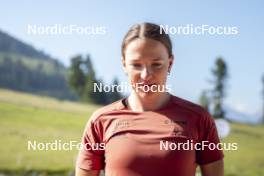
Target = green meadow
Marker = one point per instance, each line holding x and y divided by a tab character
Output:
25	117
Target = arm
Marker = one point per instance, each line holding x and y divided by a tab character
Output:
82	172
213	169
90	161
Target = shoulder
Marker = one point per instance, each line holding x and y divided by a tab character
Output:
107	109
200	117
198	111
188	105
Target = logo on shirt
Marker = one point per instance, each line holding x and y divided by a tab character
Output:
175	121
177	132
178	127
121	124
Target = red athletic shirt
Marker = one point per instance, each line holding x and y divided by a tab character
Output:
127	143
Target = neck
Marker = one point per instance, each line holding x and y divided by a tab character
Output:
147	103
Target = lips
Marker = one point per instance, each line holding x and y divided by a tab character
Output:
145	84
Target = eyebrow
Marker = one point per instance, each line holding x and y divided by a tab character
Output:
156	59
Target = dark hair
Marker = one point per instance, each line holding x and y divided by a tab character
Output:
147	30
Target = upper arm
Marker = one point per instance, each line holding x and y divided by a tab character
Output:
91	153
211	149
213	169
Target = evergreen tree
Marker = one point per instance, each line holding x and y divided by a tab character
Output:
76	75
115	95
82	78
220	74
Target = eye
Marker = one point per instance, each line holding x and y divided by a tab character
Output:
157	64
136	65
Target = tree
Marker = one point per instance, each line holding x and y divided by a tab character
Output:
76	77
82	78
87	68
114	95
204	100
220	74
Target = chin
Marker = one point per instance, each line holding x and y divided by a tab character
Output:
146	94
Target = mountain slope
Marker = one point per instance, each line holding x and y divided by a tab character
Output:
10	44
24	68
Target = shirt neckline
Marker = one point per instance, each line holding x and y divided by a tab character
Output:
124	105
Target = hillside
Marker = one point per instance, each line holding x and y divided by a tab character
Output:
9	44
24	68
26	117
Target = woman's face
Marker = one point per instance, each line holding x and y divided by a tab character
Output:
147	63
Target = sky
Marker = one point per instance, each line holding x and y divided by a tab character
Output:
195	55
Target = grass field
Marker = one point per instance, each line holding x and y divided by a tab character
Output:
25	117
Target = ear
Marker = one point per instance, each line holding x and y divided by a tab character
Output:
124	65
171	60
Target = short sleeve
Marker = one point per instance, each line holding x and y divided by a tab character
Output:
91	155
208	136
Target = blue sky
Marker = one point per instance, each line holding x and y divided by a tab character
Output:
194	54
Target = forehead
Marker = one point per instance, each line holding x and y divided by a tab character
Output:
145	48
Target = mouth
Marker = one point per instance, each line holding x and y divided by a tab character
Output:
146	84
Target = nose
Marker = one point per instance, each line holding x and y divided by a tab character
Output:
146	73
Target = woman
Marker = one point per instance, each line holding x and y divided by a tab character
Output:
137	135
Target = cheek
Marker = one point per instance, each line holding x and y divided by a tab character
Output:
162	74
162	71
133	76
